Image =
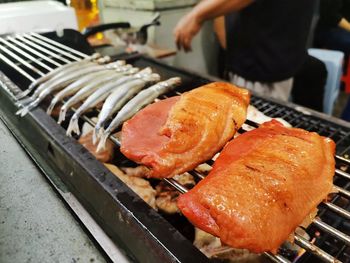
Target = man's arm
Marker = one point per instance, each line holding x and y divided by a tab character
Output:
190	24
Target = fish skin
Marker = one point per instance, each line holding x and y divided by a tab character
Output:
22	101
75	74
49	76
59	84
116	100
57	71
141	100
89	89
44	90
100	95
85	80
74	87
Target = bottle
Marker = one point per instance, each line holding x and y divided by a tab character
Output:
86	11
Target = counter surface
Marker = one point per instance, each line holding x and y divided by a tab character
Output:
35	224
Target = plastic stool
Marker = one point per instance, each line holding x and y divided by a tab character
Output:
334	64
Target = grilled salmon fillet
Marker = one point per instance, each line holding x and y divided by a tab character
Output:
175	135
262	186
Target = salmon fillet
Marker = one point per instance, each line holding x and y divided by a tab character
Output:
262	186
175	135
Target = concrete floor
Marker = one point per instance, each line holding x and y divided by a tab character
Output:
35	225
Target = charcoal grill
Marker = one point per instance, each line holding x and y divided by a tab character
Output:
129	221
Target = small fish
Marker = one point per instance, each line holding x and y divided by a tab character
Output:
141	100
73	74
99	96
56	71
80	83
22	101
56	85
118	98
89	89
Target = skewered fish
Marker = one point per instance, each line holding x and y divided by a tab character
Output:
136	81
142	99
262	186
175	135
91	88
64	68
47	88
80	83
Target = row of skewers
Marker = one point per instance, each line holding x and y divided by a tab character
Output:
122	88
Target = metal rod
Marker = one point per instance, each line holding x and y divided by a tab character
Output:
25	54
276	258
19	59
342	159
302	242
342	191
331	230
13	65
340	211
197	174
179	187
60	45
19	43
342	173
52	47
42	49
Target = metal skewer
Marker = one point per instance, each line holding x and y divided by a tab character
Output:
35	60
42	49
19	59
60	45
13	65
52	47
19	43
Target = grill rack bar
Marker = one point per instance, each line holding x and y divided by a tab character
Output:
19	59
27	55
45	44
13	65
48	40
41	48
33	51
304	243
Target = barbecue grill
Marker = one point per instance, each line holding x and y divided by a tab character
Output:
143	233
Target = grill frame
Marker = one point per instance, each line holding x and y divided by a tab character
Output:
57	151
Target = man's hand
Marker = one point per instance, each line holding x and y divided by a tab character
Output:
185	30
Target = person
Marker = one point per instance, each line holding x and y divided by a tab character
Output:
266	42
333	28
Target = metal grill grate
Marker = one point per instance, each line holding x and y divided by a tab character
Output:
32	55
